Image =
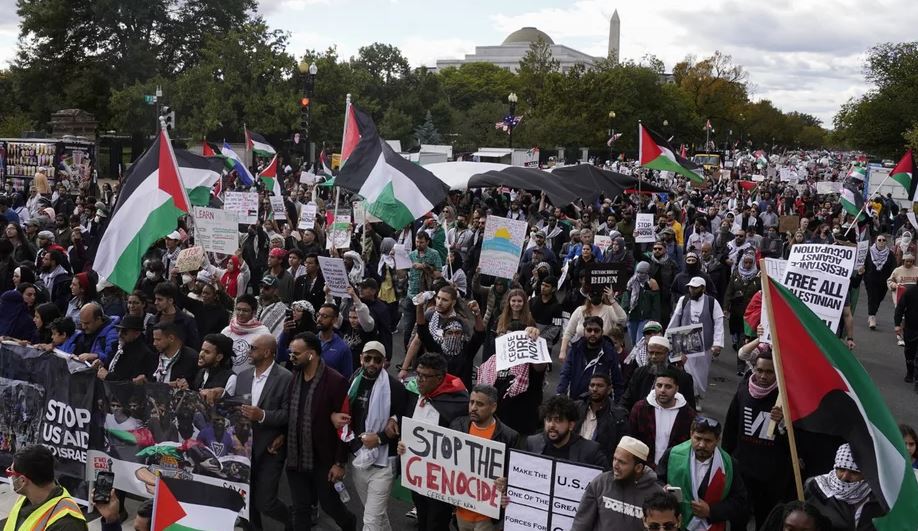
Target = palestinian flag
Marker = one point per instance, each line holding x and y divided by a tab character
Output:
269	177
199	175
748	185
396	190
656	153
851	199
903	173
352	133
859	172
151	200
185	505
258	144
207	150
828	391
761	160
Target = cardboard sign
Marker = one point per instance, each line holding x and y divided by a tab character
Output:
517	348
501	246
788	224
819	276
335	274
216	230
602	276
643	228
402	260
244	204
308	216
278	208
451	466
190	259
544	493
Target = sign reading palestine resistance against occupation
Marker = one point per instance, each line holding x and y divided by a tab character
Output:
517	348
643	228
216	230
453	467
544	493
501	246
819	275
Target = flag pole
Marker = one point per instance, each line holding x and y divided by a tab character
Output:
347	107
866	202
782	389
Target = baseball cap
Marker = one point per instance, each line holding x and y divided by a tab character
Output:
375	346
269	280
696	282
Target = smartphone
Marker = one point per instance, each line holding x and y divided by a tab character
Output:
288	314
675	491
102	488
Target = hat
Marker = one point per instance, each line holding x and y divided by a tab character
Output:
659	340
32	222
99	204
131	322
634	447
369	283
696	282
174	235
277	252
269	281
652	326
375	346
46	235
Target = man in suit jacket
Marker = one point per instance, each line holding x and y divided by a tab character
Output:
267	384
665	407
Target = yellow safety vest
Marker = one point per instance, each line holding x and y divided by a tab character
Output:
51	511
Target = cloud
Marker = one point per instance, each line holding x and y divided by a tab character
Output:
270	7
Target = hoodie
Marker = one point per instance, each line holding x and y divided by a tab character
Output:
611	504
450	400
661	428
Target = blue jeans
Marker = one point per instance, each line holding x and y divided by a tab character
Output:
636	329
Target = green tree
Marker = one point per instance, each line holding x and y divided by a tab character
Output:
427	133
716	86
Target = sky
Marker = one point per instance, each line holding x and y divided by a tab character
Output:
804	56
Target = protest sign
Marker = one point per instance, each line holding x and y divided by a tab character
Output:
154	430
501	246
402	260
788	224
190	259
216	230
339	233
360	212
335	275
278	208
544	493
828	187
603	242
245	204
643	228
862	247
819	275
307	177
686	340
602	276
758	178
774	268
308	216
453	467
517	348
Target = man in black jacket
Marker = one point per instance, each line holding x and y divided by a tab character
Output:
55	278
165	297
658	360
560	440
133	357
601	419
176	361
311	286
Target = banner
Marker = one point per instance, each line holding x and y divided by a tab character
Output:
335	274
216	230
643	228
501	246
278	208
245	204
451	466
153	429
601	276
686	340
819	275
544	493
308	216
517	348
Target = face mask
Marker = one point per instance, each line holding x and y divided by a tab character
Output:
151	275
596	299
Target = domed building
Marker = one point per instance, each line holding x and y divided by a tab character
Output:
509	53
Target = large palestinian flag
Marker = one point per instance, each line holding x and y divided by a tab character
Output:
184	505
151	200
199	175
657	154
396	190
904	172
851	199
828	391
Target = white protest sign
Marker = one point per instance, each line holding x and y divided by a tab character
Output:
451	466
758	178
862	248
828	187
307	177
501	246
308	216
360	212
245	204
517	348
402	260
643	228
216	230
339	234
603	242
335	275
544	493
819	275
278	208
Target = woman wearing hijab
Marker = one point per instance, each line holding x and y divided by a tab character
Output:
618	254
45	314
454	274
354	265
389	288
641	300
302	319
843	495
877	268
15	320
905	244
235	278
743	284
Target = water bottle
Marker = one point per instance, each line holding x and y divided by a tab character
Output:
342	492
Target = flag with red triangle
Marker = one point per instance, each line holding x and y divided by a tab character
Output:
657	154
207	150
186	505
904	172
270	179
824	383
351	136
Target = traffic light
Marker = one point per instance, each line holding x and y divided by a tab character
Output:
168	118
304	102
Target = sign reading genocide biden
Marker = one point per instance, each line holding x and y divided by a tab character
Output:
453	467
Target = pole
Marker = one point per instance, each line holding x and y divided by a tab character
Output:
334	218
782	390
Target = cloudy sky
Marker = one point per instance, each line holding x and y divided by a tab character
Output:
804	56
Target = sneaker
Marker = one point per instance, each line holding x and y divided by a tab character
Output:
413	513
872	322
900	341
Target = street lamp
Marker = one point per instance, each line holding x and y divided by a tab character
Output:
511	99
611	119
308	71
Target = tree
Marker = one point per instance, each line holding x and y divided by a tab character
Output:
537	66
396	125
716	86
427	132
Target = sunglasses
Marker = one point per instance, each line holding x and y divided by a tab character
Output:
707	422
668	526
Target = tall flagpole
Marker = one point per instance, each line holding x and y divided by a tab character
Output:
782	389
347	109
